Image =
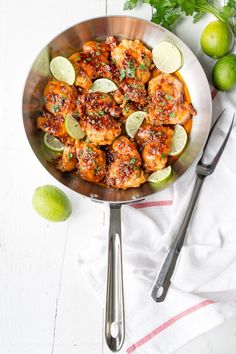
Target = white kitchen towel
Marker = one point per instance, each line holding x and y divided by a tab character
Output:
203	289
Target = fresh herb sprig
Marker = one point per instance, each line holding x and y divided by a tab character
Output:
167	12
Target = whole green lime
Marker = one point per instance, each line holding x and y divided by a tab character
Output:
51	203
224	73
216	39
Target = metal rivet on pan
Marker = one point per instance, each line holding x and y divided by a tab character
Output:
136	196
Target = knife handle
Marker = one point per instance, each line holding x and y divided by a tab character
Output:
163	280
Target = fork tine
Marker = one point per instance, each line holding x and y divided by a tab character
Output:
221	149
213	127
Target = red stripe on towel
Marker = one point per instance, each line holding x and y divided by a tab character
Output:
214	93
153	203
167	324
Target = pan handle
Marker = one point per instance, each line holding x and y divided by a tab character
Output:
114	318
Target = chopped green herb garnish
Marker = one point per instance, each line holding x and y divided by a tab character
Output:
98	52
158	133
142	67
122	74
163	156
169	97
127	108
172	115
56	107
71	155
89	149
130	72
132	161
101	113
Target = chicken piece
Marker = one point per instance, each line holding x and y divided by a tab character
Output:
111	42
101	130
155	72
60	98
53	125
166	105
124	170
133	59
67	162
134	90
91	161
167	84
118	97
100	59
129	108
154	144
85	69
93	63
108	71
100	50
97	104
135	48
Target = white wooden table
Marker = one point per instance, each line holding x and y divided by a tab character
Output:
46	307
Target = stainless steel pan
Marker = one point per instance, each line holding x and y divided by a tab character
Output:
65	44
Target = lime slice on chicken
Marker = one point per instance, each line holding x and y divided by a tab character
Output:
103	85
133	123
179	141
63	70
160	175
167	57
52	143
73	127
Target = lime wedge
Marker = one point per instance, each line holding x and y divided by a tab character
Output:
103	85
63	70
133	122
167	57
179	140
73	127
53	143
160	175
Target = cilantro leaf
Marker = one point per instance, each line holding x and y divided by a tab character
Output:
130	4
167	12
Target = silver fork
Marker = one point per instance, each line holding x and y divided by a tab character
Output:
203	170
